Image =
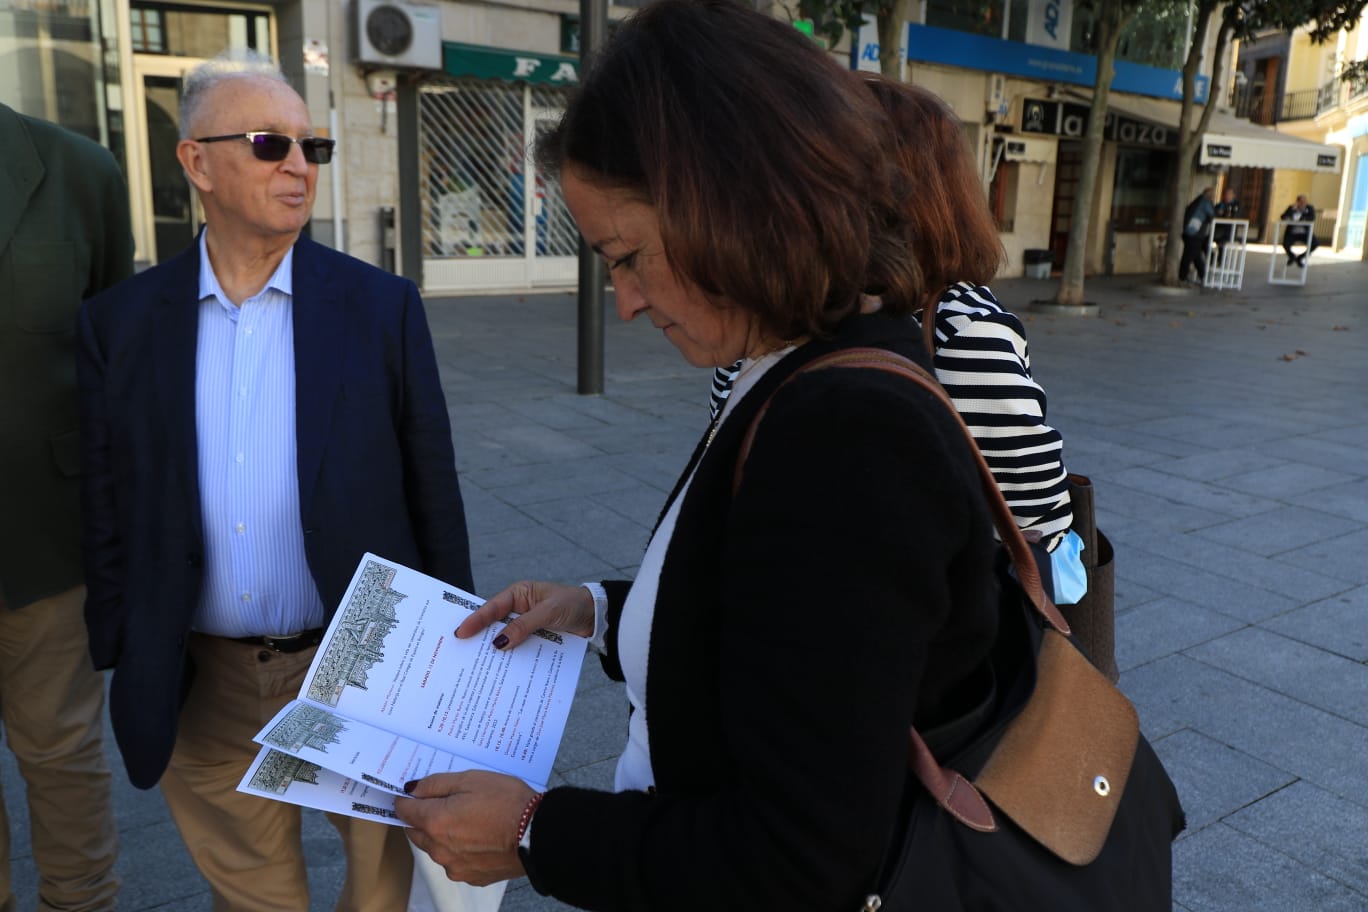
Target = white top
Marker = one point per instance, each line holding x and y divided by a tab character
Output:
634	634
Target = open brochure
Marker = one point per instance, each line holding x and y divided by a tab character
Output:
393	695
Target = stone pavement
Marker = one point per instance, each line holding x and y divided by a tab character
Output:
1226	434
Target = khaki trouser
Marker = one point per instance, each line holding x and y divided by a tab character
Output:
51	704
247	847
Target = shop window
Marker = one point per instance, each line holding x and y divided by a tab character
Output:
51	66
182	31
981	17
148	31
1002	195
474	136
1140	198
51	21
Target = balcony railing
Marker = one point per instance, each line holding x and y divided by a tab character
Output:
1301	105
1328	96
1338	93
1246	103
1357	90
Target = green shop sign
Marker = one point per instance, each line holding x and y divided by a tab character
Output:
509	66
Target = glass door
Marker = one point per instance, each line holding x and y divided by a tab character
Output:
169	210
173	211
1067	171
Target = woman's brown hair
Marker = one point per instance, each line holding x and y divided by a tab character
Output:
951	232
766	161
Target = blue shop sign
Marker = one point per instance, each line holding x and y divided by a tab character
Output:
928	44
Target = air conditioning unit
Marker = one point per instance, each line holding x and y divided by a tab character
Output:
996	94
393	34
1024	149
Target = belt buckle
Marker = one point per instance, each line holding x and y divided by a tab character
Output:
282	643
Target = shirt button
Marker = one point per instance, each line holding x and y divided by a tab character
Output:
240	528
249	330
242	393
239	458
246	596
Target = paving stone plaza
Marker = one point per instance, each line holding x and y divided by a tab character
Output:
1226	434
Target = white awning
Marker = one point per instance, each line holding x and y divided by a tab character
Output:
1242	144
1230	140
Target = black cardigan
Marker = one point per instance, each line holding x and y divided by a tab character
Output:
800	627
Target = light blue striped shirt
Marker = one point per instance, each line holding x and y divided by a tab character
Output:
256	576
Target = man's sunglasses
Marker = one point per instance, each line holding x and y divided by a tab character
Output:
273	147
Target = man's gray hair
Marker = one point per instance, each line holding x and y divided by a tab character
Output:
233	64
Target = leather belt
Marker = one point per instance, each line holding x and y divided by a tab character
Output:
294	642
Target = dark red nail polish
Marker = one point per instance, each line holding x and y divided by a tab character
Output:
410	786
500	641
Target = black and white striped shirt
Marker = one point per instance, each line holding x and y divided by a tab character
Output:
723	378
983	363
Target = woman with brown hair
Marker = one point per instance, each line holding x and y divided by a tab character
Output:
980	350
783	633
823	575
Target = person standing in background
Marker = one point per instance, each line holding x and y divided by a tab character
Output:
256	414
64	235
1196	226
1228	208
978	346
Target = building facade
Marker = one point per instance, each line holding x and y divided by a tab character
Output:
1020	74
1292	83
436	103
437	100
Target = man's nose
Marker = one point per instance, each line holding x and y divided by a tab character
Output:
295	162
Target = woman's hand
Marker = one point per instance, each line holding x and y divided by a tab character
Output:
467	823
533	606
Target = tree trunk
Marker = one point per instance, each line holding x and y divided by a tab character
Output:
1112	18
891	17
1188	140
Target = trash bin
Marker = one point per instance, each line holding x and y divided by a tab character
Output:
1038	263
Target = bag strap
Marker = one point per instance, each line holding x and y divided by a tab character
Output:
1008	530
952	791
1084	523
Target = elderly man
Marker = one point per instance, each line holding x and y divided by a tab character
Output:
1303	212
1196	226
256	414
64	234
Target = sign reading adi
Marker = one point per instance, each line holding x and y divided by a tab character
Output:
509	66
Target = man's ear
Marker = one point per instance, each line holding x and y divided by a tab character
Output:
190	154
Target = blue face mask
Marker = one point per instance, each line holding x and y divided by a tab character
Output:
1066	565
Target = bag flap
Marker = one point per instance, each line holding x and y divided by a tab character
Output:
1058	780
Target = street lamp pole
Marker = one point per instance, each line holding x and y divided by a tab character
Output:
593	31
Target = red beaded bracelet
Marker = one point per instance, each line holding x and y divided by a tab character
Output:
527	814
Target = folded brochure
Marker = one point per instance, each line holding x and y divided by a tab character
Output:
392	695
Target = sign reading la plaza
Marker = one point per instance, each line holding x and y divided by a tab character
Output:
1062	118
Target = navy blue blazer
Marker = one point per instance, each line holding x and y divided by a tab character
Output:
376	467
